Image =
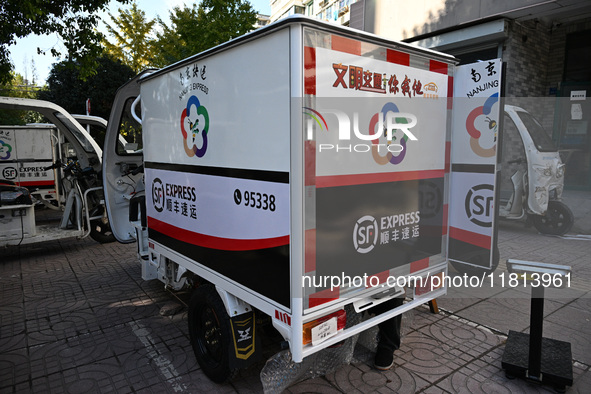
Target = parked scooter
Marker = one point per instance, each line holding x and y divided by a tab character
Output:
537	175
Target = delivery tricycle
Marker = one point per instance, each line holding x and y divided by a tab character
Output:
50	178
297	175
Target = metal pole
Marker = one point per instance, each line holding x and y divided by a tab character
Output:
535	332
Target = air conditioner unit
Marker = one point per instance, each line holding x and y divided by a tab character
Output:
343	10
323	3
345	18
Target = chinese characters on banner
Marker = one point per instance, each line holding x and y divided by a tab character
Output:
355	77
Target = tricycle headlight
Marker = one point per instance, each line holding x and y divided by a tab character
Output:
560	171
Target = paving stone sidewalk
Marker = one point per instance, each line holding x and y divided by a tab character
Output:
76	317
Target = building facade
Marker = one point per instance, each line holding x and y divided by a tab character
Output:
546	46
262	20
337	11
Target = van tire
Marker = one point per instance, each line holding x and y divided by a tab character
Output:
558	219
210	333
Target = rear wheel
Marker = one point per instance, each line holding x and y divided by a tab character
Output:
558	219
210	333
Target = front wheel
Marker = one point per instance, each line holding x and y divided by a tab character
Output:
558	219
210	333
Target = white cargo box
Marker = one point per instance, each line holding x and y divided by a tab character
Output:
25	152
17	222
267	172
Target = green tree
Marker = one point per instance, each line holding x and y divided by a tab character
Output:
18	86
224	20
200	27
66	89
73	20
174	42
132	42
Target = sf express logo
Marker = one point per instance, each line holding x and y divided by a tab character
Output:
430	199
401	227
177	195
9	173
365	234
158	195
479	205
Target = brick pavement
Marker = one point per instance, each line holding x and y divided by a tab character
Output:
76	317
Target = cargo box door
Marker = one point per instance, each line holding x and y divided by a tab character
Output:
473	210
122	165
375	205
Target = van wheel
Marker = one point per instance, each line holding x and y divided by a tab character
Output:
210	333
558	219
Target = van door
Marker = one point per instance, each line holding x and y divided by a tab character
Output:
122	164
473	201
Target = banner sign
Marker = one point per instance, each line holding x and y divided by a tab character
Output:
475	128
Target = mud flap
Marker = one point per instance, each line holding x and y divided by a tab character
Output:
246	345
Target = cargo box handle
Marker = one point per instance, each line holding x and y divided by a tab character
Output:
133	105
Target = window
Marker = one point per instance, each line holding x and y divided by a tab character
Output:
536	131
578	57
73	129
130	132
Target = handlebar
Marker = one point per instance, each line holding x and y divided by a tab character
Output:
55	165
72	167
58	164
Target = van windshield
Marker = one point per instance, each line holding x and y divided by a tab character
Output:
86	145
538	134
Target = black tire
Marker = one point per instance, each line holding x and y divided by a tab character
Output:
210	333
472	270
558	219
100	229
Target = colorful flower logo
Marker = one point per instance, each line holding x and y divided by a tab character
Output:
475	134
388	157
194	123
5	150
